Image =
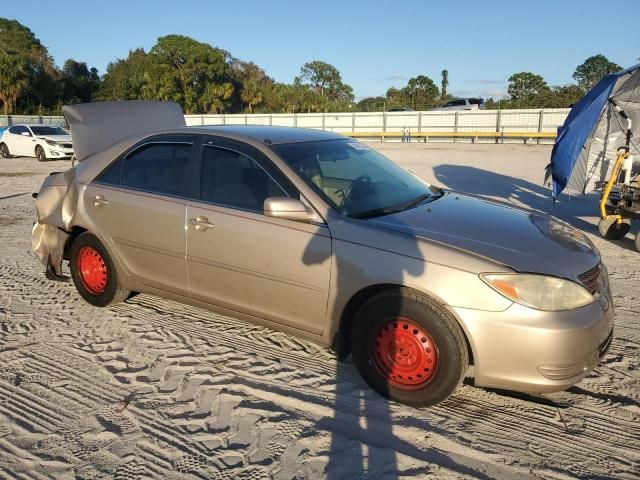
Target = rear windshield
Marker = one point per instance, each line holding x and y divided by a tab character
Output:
48	130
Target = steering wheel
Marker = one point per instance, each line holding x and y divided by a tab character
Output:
361	180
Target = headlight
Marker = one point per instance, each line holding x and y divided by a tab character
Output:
52	143
539	291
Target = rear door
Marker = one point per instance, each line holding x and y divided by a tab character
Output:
242	260
138	205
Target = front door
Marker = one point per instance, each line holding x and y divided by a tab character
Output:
244	261
138	205
22	142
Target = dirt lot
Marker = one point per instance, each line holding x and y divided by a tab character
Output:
154	389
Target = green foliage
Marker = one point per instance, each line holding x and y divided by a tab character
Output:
187	69
24	63
129	79
419	94
251	84
372	104
589	72
79	83
527	89
325	83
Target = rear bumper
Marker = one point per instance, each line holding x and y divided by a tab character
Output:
533	351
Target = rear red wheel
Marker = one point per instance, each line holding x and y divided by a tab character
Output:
92	270
94	273
408	347
404	353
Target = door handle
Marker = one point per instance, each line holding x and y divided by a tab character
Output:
99	201
201	223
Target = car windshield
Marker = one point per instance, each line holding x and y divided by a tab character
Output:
354	179
48	130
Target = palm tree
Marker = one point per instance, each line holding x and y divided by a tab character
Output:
14	78
251	94
445	83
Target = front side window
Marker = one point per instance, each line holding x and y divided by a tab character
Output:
235	180
354	179
158	168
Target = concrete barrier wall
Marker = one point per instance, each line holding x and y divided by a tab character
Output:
439	122
500	121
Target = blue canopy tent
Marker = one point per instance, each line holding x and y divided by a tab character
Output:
594	129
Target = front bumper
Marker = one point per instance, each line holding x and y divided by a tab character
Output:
534	351
59	152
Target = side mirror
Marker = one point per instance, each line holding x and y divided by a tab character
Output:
289	209
25	134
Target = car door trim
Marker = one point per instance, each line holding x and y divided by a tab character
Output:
253	273
147	248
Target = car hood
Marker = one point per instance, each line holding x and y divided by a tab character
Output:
56	138
522	240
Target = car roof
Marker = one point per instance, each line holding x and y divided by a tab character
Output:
33	125
273	135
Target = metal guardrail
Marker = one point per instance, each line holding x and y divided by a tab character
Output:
474	136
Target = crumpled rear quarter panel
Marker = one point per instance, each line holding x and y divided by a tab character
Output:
55	207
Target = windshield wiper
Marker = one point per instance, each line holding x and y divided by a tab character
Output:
376	212
415	201
379	212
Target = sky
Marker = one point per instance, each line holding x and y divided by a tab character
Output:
374	44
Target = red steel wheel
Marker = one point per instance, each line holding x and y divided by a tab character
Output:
92	269
404	353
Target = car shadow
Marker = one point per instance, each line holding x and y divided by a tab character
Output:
362	439
573	209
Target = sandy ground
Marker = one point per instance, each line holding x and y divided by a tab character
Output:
154	389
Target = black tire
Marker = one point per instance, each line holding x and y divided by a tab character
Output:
637	242
4	151
106	290
40	154
609	228
377	317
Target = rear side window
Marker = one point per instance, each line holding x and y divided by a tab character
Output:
112	174
235	180
158	168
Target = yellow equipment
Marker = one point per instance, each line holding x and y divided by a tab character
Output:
616	225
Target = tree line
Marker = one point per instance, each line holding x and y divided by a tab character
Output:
206	79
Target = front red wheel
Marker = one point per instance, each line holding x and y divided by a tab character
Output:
408	348
404	353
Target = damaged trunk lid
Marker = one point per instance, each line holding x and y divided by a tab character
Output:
96	126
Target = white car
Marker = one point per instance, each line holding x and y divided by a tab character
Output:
45	142
463	104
